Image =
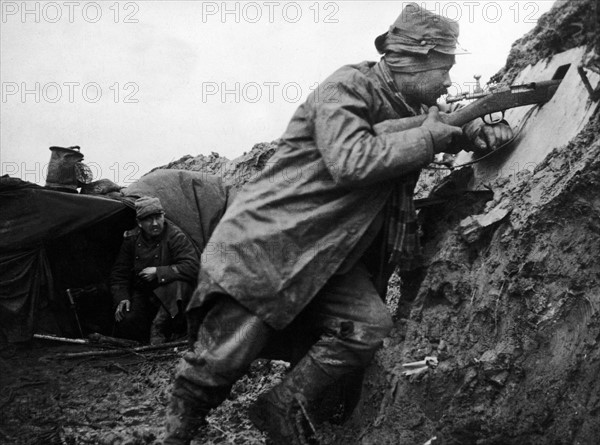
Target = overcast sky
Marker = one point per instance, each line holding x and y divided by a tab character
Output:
140	84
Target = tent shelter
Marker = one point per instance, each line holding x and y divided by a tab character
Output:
49	242
52	241
194	201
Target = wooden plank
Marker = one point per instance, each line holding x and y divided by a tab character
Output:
549	127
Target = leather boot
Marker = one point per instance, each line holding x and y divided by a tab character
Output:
184	419
157	338
282	412
158	327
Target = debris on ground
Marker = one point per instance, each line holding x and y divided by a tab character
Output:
110	400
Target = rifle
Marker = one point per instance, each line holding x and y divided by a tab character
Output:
488	102
71	294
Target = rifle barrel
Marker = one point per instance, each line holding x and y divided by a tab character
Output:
498	100
516	96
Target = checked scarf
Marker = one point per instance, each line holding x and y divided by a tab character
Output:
401	229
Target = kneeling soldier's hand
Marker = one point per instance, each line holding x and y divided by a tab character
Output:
121	308
148	274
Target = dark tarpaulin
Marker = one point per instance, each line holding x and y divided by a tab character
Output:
35	223
24	274
31	214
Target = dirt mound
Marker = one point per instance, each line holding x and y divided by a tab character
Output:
234	173
569	24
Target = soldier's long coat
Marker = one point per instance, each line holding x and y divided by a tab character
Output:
290	229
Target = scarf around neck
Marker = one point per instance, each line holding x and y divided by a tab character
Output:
401	229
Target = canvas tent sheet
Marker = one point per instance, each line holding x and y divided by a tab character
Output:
39	230
33	214
194	201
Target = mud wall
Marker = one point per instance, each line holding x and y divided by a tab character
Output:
512	313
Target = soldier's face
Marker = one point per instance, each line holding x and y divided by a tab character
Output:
428	86
152	225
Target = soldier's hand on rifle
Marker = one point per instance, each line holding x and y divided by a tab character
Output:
486	138
122	307
148	274
441	133
493	136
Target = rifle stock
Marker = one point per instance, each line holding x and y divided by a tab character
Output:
515	96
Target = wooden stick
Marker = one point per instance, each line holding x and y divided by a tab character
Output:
113	341
119	351
79	341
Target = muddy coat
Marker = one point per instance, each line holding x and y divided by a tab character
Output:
175	260
289	230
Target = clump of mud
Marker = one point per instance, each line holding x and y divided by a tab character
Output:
569	24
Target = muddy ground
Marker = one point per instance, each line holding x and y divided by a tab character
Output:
110	401
511	312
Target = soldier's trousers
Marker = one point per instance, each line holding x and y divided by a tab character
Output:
147	319
340	329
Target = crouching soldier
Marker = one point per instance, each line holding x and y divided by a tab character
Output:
321	246
153	276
